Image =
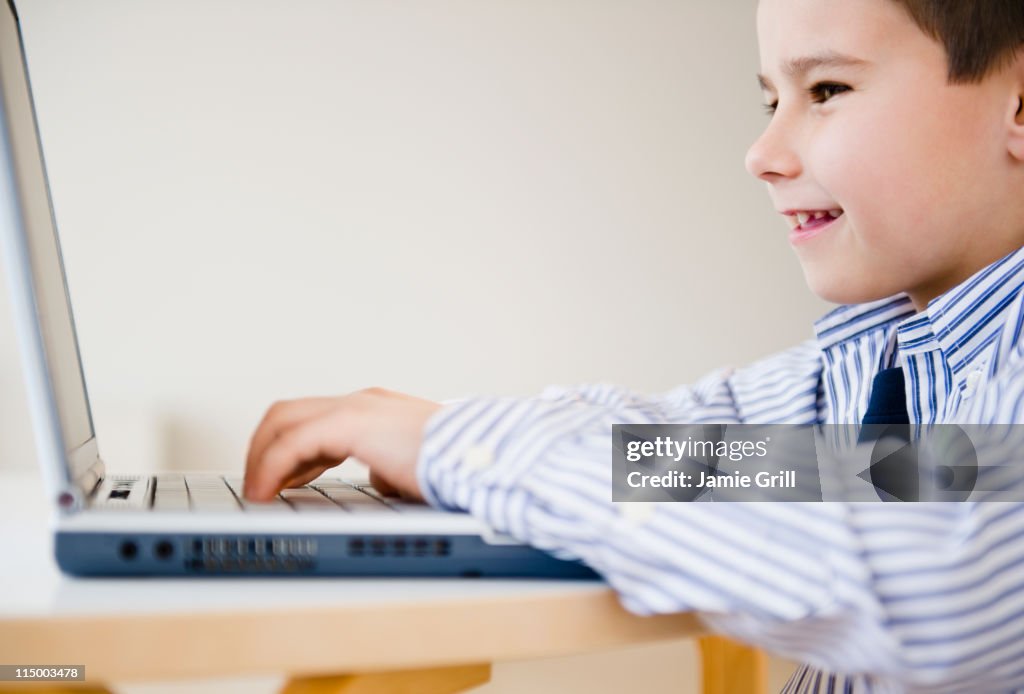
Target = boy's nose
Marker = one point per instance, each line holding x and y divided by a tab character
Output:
771	157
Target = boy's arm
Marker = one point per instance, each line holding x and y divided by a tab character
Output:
467	434
702	396
890	589
789	577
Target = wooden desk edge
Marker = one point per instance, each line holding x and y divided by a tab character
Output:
350	638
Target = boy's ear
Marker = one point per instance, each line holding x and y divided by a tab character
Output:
1016	130
1015	142
1016	133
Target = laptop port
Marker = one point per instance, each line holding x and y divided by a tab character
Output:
128	550
164	549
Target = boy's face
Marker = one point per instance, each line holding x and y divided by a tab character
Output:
928	190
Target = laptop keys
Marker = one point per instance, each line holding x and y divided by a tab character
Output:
170	494
351	498
224	493
275	505
210	493
393	502
307	499
170	501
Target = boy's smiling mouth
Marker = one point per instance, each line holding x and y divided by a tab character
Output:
807	224
806	220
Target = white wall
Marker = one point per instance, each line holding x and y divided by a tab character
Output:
260	200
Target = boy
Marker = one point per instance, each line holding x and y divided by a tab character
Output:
895	150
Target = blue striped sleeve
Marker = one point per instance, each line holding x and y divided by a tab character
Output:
920	593
475	428
540	471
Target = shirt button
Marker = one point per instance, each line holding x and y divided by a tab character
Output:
477	457
974	379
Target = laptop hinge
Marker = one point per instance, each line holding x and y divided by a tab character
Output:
86	484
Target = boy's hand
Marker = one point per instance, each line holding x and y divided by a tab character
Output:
299	439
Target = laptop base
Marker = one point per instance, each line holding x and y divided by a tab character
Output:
265	554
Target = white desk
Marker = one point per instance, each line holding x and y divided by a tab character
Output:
442	630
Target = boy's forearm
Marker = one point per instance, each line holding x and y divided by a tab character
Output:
843	586
541	472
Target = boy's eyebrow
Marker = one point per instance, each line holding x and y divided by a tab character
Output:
797	67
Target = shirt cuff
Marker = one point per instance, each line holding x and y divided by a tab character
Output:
462	443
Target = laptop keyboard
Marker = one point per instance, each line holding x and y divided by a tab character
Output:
224	493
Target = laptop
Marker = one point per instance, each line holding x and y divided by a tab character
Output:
110	524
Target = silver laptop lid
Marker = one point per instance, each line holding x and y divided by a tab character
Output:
59	403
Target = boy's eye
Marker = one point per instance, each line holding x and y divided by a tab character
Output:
821	88
820	92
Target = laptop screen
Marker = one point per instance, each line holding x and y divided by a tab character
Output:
53	308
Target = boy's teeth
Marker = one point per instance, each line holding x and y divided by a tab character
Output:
803	217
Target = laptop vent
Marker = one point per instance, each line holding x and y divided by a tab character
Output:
295	554
246	553
397	546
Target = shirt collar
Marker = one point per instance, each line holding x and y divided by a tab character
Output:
847	322
964	320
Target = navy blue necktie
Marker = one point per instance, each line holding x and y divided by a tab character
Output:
888	401
895	478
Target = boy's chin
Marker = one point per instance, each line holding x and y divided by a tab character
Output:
834	287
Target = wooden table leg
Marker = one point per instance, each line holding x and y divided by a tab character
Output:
435	680
732	668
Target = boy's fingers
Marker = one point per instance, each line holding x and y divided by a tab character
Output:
280	417
381	485
320	437
308	475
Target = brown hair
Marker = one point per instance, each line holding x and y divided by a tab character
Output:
980	36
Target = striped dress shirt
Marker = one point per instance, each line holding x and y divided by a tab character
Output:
871	597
